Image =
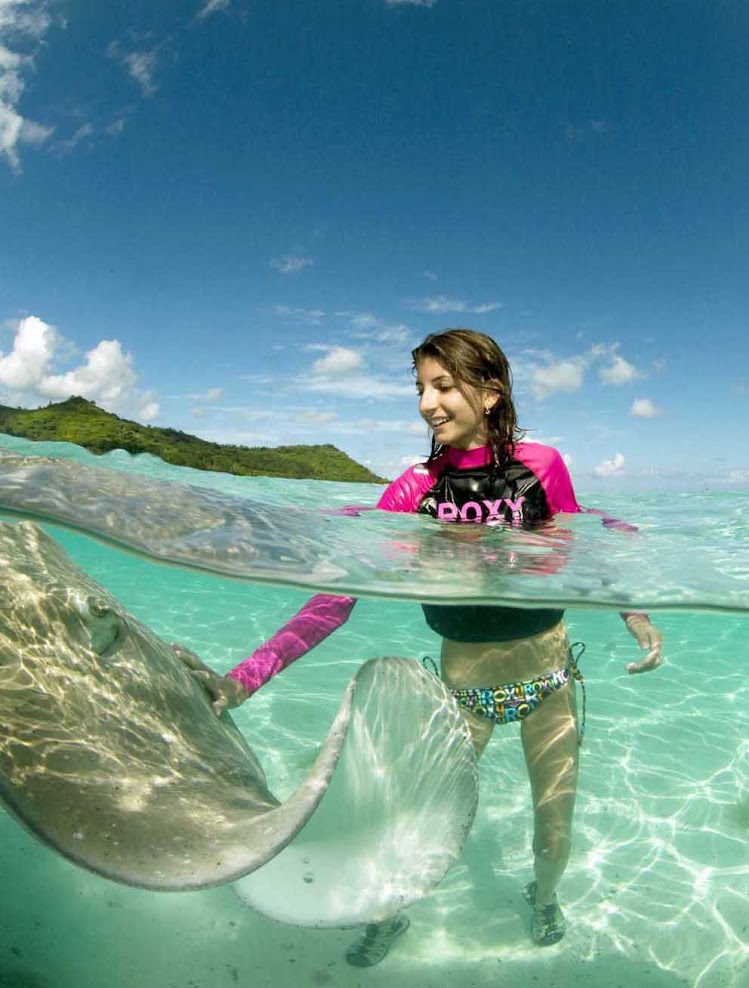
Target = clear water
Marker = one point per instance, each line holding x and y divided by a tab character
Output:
656	892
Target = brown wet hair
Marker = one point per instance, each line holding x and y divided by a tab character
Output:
475	360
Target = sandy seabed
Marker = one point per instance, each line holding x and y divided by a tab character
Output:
655	895
640	912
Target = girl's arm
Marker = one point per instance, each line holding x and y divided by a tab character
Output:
649	639
320	617
552	471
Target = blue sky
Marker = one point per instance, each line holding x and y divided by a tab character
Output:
236	218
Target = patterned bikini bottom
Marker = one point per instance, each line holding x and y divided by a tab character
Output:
513	702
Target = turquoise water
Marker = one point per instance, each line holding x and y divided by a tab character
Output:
657	887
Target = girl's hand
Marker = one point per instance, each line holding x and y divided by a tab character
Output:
648	638
224	691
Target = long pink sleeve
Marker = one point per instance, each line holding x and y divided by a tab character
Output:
405	493
319	617
547	464
323	613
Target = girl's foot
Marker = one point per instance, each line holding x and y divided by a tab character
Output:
548	924
376	941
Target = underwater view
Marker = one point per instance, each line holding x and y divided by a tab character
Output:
656	890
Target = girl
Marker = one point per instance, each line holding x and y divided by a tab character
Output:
502	664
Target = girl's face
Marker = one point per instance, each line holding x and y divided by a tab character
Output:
454	412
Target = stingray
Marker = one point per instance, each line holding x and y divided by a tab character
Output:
226	534
111	755
172	522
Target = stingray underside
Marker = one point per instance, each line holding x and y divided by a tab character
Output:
110	754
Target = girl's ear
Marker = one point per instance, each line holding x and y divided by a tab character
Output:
492	399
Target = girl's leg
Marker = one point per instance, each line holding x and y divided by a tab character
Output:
550	745
457	673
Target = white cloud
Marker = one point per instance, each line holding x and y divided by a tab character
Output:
619	372
210	397
360	321
441	304
315	418
86	134
565	376
212	7
349	426
141	65
259	380
291	263
395	467
81	134
311	316
356	386
26	17
340	372
644	408
11	84
10	130
377	426
337	361
610	468
547	375
116	127
28	362
107	376
397	333
21	21
34	133
365	325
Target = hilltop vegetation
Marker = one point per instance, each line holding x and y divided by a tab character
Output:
79	421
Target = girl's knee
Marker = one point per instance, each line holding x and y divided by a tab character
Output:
552	847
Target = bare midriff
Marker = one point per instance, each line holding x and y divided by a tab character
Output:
487	664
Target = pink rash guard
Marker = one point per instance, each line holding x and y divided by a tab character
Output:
458	485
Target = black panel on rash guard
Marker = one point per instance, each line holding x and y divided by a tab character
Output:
512	496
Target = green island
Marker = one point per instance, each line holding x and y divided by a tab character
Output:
77	420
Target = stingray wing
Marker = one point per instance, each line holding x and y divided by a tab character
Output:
117	762
395	815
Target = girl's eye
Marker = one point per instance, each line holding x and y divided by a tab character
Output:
442	386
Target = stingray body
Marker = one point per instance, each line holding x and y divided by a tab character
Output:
195	527
209	530
110	754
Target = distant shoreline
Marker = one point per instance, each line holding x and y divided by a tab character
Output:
77	420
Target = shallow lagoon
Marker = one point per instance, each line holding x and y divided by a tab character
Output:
656	890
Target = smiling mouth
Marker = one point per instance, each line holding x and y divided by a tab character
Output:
438	423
